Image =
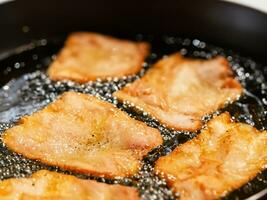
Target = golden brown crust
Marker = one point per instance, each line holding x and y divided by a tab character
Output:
46	185
180	91
82	133
223	157
87	56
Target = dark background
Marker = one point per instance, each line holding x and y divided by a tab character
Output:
220	23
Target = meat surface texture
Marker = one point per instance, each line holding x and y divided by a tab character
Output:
82	133
179	91
88	56
46	185
223	157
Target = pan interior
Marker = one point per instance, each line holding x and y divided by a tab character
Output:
26	88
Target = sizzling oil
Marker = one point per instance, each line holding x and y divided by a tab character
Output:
32	89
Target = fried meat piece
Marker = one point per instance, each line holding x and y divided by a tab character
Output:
88	56
44	185
223	157
179	91
82	133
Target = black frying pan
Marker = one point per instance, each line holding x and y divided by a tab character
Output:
227	25
224	24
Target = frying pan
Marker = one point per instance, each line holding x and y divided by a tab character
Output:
227	25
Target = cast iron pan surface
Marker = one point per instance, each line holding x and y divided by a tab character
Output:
33	32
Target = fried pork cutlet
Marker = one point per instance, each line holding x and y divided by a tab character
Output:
88	56
44	185
179	91
82	133
223	157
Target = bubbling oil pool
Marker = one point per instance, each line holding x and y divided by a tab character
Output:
32	91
